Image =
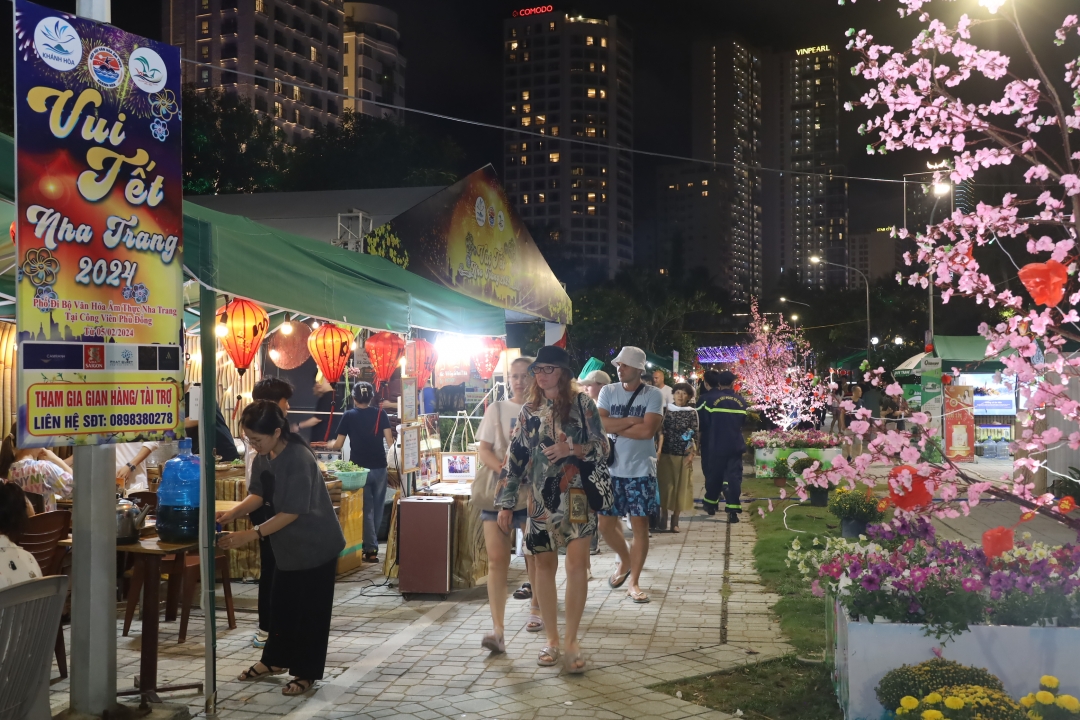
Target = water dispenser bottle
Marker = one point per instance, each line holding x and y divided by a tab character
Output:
178	497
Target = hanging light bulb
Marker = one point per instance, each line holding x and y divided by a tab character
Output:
275	355
221	330
286	328
314	324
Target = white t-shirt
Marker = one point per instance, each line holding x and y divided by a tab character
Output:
633	458
16	565
668	393
504	413
125	453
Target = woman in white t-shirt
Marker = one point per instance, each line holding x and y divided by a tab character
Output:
36	470
16	564
496	429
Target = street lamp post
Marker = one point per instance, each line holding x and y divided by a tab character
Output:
940	189
795	302
866	281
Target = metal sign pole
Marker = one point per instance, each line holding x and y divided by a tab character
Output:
207	534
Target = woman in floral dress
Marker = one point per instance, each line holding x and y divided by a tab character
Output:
558	433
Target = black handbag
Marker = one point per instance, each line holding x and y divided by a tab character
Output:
595	476
611	439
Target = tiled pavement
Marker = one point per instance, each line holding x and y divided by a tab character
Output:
422	659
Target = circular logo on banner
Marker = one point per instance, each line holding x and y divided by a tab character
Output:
500	219
491	216
481	211
57	43
105	66
147	70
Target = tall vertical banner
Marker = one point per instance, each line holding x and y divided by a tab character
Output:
959	438
99	220
932	399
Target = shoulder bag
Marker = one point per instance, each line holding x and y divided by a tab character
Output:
595	476
486	481
612	438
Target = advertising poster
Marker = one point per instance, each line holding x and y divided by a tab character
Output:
408	400
468	237
99	244
410	449
931	398
995	394
959	423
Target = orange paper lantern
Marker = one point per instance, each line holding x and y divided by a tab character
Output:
385	350
915	498
997	540
422	357
487	358
241	326
330	345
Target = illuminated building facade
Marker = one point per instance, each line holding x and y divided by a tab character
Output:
372	65
571	78
727	131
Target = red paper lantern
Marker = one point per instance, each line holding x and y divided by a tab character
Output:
331	347
917	497
421	358
929	348
241	325
996	541
385	350
1045	282
946	379
487	358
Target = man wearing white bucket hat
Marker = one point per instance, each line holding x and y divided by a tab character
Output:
632	413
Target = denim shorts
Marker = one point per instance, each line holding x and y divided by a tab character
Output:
518	521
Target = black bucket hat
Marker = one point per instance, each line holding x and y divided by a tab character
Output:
551	355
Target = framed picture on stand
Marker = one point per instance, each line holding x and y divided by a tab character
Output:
458	467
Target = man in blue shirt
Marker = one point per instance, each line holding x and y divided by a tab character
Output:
632	413
720	418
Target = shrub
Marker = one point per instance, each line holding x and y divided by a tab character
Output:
855	505
802	464
920	680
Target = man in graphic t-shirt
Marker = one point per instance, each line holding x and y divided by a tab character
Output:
632	413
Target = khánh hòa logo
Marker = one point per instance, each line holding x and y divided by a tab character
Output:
57	44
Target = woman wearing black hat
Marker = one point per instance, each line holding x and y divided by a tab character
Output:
559	433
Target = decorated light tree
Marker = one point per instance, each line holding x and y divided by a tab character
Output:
917	102
771	374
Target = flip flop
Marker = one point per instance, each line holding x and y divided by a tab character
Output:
524	592
301	687
616	580
494	643
552	654
535	624
570	662
252	674
637	596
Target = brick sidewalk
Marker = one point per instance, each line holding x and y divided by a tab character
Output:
422	659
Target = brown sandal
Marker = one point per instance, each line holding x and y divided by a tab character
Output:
252	674
302	686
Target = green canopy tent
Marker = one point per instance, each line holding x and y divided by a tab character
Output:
967	353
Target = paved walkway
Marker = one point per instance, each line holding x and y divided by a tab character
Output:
422	659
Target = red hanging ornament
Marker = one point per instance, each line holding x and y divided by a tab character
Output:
946	379
1066	505
487	358
385	350
1045	282
420	359
12	231
996	541
241	325
331	347
915	498
929	347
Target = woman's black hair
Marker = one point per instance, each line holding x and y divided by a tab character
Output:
13	513
272	388
363	393
686	388
266	416
8	450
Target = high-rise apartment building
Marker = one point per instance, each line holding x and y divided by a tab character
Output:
873	254
289	58
692	208
372	67
807	209
568	110
727	131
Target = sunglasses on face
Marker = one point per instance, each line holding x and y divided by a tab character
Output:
545	369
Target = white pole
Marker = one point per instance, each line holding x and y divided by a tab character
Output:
93	587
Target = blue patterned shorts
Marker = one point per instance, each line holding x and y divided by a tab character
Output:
636	496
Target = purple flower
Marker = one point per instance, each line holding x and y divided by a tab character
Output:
971	584
1025	584
1001	582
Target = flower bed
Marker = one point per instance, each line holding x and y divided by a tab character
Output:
798	439
765	459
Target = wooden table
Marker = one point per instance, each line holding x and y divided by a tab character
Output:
149	552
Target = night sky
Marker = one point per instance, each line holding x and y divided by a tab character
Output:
455	67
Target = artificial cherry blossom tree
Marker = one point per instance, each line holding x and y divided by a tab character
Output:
917	102
771	374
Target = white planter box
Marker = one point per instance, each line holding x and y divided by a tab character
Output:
1019	656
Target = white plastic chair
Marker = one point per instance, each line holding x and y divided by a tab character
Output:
29	615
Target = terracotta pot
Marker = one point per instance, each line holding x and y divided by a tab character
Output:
779	482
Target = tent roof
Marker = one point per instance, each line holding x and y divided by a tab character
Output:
237	256
911	366
963	348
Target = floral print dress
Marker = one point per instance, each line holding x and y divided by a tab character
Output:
549	526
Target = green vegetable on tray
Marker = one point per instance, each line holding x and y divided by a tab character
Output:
343	466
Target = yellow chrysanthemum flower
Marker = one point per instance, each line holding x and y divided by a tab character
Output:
954	703
1068	702
932	715
1028	700
932	699
908	702
1044	697
1049	681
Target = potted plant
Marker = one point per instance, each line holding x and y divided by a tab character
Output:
780	473
819	496
855	509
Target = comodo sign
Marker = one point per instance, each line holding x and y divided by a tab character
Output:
538	10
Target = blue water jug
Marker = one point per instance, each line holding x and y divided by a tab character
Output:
178	497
